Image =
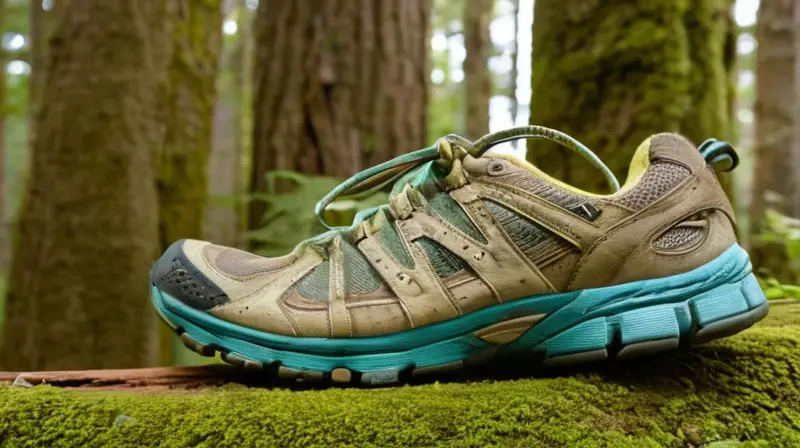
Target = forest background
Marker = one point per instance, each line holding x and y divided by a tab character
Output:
128	125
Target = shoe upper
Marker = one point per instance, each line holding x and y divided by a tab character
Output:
501	231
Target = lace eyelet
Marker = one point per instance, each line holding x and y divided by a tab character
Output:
496	167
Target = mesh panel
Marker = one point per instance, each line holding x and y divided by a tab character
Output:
679	238
443	261
546	190
659	178
451	212
315	284
359	276
391	241
534	241
240	263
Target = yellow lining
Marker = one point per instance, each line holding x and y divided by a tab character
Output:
639	164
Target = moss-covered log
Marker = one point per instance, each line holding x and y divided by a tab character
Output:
745	388
612	74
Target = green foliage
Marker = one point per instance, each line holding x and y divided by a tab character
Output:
784	232
738	392
290	214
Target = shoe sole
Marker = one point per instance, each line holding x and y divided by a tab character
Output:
716	300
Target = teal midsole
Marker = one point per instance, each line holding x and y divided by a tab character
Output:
582	317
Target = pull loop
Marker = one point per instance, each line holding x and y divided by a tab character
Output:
716	151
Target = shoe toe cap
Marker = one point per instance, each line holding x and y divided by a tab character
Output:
175	275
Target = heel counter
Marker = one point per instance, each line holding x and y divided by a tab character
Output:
687	226
685	242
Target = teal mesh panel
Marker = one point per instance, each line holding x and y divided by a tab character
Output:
533	240
359	276
449	209
391	241
315	284
443	261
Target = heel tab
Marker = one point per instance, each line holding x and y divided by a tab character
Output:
676	148
719	154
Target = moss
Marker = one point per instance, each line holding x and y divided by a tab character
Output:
189	109
611	75
742	389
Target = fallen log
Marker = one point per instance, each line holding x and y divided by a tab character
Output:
744	388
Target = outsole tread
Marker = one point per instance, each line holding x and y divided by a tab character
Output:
614	350
637	320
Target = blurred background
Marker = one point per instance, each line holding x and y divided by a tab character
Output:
128	125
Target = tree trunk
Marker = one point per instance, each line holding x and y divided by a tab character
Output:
88	232
37	61
340	86
774	184
515	68
477	78
611	76
4	225
225	164
183	164
795	161
182	176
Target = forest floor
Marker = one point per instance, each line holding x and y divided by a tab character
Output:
738	392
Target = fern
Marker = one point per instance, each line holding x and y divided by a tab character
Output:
290	216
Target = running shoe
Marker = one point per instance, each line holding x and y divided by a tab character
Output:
477	255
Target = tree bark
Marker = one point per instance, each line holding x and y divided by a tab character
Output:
515	68
88	230
339	86
795	161
182	171
612	75
774	184
37	61
222	222
477	78
4	225
183	164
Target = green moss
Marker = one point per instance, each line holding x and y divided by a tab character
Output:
744	388
611	75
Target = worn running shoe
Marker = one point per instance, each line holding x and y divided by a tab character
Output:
476	255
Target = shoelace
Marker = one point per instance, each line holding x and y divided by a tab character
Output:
448	152
412	169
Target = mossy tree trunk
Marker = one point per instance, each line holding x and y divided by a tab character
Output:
339	86
37	61
221	223
88	231
775	182
183	163
611	75
477	78
4	233
796	142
